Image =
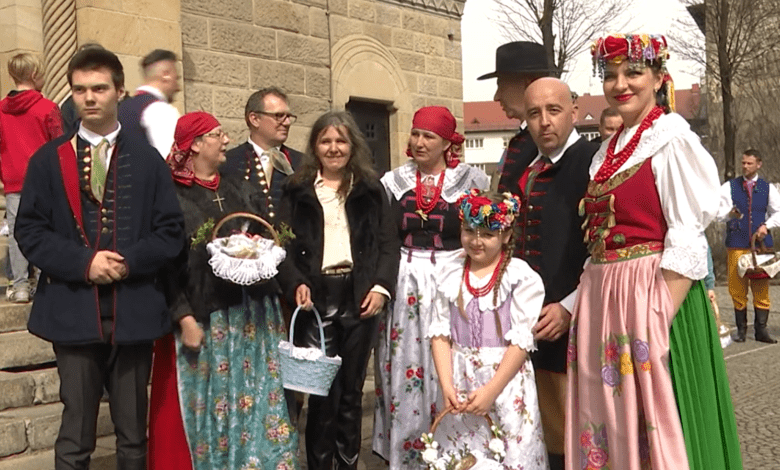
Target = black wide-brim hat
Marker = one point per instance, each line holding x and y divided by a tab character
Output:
520	57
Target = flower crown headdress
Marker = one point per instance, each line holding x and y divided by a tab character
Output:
480	212
638	49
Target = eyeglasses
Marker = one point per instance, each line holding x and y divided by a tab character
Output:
279	117
219	135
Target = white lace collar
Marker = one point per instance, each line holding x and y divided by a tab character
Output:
451	278
456	180
660	133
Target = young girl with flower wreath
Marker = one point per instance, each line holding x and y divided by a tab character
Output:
484	309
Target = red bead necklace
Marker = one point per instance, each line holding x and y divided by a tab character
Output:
613	161
424	208
484	290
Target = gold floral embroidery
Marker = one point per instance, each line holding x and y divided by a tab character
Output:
599	189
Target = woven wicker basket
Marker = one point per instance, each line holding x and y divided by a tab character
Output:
243	271
306	375
471	460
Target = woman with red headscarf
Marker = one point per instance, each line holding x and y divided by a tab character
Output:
647	385
426	188
217	399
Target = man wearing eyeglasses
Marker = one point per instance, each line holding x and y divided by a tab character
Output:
264	159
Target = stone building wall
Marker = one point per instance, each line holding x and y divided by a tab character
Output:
130	28
322	53
21	30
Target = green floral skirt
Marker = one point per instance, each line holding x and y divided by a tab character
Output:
233	405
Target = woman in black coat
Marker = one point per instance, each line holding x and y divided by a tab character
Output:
344	260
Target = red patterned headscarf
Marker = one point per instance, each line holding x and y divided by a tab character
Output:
440	121
188	128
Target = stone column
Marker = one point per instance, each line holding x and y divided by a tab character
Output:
59	45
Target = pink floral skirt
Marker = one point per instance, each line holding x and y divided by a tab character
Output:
621	408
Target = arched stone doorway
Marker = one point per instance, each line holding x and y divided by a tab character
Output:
366	73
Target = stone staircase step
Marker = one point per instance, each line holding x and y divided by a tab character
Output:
13	317
20	349
21	389
104	458
26	430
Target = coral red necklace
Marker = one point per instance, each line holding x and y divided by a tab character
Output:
424	208
613	161
484	290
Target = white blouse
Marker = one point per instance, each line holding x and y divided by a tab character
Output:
519	280
686	178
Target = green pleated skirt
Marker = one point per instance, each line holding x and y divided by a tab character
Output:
701	386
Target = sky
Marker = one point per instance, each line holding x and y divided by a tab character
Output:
481	37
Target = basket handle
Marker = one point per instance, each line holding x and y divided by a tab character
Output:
319	323
246	215
448	410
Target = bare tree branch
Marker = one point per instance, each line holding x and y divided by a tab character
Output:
564	27
739	51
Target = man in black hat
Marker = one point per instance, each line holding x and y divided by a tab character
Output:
550	184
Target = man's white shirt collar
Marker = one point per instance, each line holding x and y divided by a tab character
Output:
259	150
754	178
557	154
94	139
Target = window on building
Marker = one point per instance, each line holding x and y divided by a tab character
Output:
477	143
506	142
590	135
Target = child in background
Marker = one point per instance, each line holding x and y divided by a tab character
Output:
481	336
27	121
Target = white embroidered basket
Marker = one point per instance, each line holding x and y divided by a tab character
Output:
307	370
261	257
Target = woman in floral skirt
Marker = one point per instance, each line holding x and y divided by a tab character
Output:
647	382
426	190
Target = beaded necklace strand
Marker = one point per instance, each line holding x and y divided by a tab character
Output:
424	208
487	288
613	161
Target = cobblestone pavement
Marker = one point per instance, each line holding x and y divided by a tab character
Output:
754	375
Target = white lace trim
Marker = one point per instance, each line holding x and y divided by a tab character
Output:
456	180
259	262
685	253
661	132
438	329
521	339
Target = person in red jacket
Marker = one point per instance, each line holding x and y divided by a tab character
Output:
27	121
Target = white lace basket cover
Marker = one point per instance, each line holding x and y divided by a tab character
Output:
307	370
240	259
758	260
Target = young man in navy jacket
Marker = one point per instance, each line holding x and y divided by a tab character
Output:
100	218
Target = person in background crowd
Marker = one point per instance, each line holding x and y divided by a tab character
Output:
425	190
344	261
150	113
27	121
225	355
517	65
263	159
609	123
751	207
647	384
